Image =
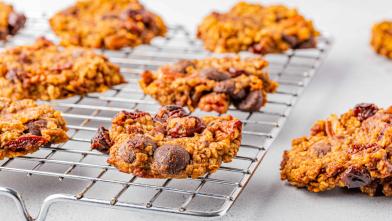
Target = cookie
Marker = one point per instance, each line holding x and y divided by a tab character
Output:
111	24
353	150
257	28
382	38
46	71
211	84
26	126
169	144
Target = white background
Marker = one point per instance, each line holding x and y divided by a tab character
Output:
351	74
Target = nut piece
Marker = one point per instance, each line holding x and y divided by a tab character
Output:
35	127
101	141
252	102
213	74
321	148
184	127
355	177
15	22
170	111
365	110
171	158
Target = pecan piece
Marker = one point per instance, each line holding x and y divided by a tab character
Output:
127	151
181	66
213	74
35	127
185	126
253	101
101	141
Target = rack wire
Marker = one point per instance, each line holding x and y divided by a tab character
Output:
94	182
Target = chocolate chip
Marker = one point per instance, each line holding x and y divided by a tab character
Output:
126	151
185	126
311	43
237	72
15	22
292	40
171	158
35	127
214	74
321	148
101	141
169	111
229	87
355	177
364	110
252	102
181	66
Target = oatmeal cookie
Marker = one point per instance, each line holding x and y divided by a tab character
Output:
351	151
257	28
382	38
26	126
211	84
170	144
10	21
46	71
111	24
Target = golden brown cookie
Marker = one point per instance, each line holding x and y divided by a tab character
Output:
111	24
257	28
46	71
211	84
353	150
10	20
170	144
26	126
382	38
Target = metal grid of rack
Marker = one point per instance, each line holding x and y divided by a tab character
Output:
100	184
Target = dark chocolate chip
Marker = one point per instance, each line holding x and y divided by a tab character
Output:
293	41
101	141
35	127
185	126
252	102
170	111
355	177
15	22
181	66
237	72
126	151
364	110
321	148
213	74
171	158
229	87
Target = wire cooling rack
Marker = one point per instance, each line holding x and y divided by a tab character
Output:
72	172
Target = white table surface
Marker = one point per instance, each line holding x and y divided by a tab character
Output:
351	74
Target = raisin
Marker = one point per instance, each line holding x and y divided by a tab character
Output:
181	66
101	141
171	158
170	111
35	127
355	177
213	74
252	102
25	143
364	110
184	127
